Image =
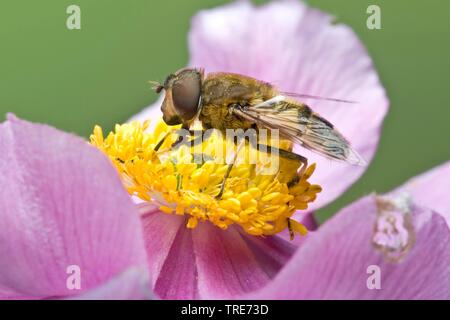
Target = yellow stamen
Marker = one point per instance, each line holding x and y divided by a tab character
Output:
261	203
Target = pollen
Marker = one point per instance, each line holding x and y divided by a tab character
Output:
187	179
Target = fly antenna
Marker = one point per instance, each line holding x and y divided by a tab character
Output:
156	86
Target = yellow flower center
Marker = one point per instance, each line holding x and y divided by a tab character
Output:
260	202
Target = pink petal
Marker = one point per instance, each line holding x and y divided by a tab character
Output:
309	221
170	256
62	204
333	263
303	52
226	266
431	189
272	253
206	262
129	285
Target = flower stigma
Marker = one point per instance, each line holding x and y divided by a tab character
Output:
185	179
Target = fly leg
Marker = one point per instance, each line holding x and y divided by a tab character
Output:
230	166
287	155
291	231
160	142
198	138
290	156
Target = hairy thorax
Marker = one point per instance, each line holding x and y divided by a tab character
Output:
222	117
221	92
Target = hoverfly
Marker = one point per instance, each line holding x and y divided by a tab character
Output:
233	101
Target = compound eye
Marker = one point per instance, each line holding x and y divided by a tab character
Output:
186	91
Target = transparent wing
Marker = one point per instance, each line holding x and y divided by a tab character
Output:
315	97
299	124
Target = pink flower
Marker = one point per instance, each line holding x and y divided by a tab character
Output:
333	263
62	204
300	50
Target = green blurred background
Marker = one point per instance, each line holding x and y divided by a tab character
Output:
74	79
